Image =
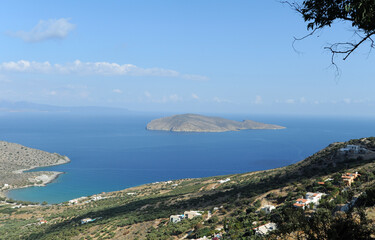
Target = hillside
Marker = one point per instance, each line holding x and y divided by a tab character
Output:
200	123
15	159
234	202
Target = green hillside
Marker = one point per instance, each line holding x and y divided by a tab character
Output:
230	205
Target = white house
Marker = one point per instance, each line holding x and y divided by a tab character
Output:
352	149
191	214
73	201
224	181
265	229
77	200
309	198
97	197
268	208
301	203
176	218
314	197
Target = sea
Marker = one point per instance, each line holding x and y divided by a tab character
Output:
112	152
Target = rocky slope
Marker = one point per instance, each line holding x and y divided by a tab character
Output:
200	123
15	159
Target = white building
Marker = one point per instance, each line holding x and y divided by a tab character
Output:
176	218
225	180
352	149
314	197
96	198
265	229
73	201
192	214
309	198
268	208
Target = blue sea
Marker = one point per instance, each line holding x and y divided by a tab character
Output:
113	152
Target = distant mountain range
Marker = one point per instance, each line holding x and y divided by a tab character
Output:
8	106
200	123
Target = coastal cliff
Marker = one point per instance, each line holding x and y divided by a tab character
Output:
200	123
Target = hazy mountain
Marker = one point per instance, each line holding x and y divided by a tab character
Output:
8	106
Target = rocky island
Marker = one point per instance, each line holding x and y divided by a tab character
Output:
15	159
200	123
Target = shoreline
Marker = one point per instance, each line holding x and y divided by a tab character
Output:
44	177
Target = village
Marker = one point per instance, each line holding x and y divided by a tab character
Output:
309	202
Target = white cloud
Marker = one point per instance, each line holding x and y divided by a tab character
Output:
175	98
117	91
195	96
46	29
52	93
147	94
4	79
302	100
87	68
219	100
290	101
164	99
258	100
347	100
195	77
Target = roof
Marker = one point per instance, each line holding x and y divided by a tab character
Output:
347	177
264	229
321	183
298	205
301	200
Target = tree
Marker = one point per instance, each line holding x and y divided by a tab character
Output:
323	13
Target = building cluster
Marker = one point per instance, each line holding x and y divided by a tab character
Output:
348	178
309	198
186	215
86	199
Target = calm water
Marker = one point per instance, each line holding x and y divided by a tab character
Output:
111	153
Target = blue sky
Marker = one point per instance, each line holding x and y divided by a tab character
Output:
178	56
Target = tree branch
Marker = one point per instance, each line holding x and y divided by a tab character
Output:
335	48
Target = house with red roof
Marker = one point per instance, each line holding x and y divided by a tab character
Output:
348	178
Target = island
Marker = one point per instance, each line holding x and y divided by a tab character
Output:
16	159
200	123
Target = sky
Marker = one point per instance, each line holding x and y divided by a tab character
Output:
179	56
